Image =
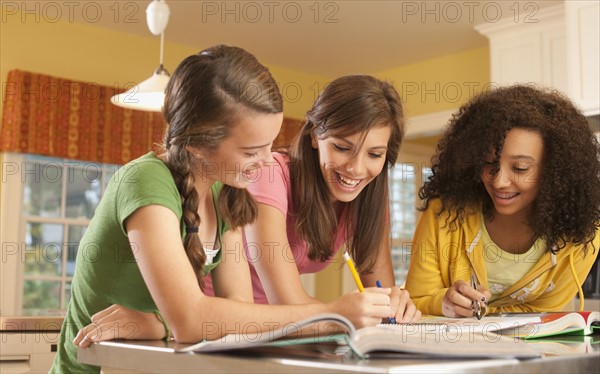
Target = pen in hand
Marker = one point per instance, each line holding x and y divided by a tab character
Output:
476	305
392	319
356	277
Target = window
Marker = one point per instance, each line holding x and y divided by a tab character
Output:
404	182
59	197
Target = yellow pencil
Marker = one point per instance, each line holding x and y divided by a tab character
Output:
353	271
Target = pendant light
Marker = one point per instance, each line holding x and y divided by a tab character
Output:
149	95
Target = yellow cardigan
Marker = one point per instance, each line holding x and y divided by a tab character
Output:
440	257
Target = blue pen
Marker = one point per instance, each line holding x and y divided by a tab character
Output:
378	283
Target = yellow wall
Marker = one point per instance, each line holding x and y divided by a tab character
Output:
441	83
88	53
329	281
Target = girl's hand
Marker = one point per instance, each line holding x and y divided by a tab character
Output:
458	300
405	309
366	308
119	322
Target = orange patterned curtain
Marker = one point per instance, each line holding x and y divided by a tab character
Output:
69	119
63	118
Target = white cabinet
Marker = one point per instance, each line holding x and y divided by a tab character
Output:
583	51
27	352
558	47
530	51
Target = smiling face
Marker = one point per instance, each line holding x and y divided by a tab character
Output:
346	168
515	186
236	160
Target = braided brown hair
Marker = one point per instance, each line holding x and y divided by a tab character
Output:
203	100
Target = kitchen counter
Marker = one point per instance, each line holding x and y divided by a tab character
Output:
28	343
31	323
159	357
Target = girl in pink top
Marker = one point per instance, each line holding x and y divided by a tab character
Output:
330	193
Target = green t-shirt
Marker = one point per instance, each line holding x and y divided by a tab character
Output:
106	271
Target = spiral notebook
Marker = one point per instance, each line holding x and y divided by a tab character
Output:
464	325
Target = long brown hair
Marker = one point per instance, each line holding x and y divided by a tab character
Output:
349	105
204	99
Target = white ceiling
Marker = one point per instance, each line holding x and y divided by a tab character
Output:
328	38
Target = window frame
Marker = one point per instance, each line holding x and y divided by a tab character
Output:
401	245
11	197
13	230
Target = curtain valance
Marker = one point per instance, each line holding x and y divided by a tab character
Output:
64	118
70	119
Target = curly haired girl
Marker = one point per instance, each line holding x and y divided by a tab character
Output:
514	201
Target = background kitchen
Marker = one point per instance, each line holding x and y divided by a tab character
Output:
437	54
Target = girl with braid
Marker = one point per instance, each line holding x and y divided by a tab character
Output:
167	220
514	201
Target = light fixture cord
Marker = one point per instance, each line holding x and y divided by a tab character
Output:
162	39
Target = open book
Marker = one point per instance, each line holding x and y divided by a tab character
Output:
420	339
472	325
559	323
561	345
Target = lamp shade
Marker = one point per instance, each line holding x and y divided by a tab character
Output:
148	95
157	16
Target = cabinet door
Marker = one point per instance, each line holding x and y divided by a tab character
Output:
583	53
516	59
27	352
529	52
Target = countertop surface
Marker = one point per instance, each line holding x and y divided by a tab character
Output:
31	323
159	357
